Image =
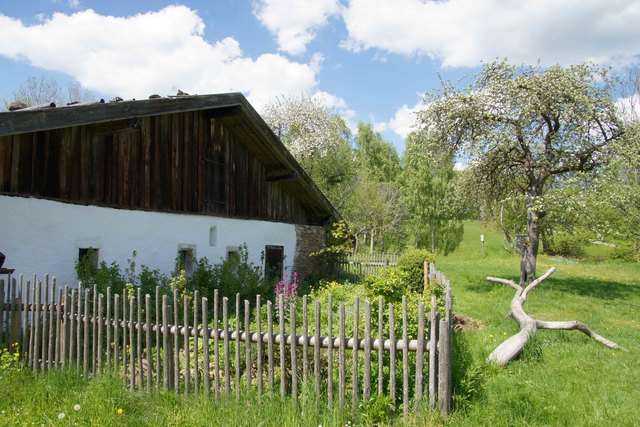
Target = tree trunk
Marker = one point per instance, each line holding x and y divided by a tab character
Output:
371	243
433	240
530	247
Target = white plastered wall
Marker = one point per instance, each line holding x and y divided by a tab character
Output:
42	236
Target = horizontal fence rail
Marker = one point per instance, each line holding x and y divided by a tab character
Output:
356	266
186	343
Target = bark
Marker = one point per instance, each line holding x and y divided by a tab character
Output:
530	247
371	242
509	349
433	240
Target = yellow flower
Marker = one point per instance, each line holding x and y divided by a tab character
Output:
120	411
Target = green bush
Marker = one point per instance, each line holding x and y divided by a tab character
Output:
624	251
390	283
411	266
566	245
103	276
111	276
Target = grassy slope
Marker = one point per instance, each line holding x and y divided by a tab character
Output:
564	378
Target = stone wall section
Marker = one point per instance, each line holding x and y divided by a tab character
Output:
309	239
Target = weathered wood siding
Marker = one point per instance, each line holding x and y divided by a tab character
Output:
182	162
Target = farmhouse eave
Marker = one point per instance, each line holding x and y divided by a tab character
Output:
232	108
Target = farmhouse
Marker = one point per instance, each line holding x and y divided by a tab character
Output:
188	176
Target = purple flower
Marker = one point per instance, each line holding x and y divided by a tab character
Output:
288	289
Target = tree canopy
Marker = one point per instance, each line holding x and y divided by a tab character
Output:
524	127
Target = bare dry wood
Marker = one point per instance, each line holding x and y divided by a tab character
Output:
509	349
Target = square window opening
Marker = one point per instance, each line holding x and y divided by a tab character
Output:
87	263
273	262
186	258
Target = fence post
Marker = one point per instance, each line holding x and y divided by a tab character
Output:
426	276
434	322
2	300
444	383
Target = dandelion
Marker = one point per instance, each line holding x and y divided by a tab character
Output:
120	411
76	407
61	415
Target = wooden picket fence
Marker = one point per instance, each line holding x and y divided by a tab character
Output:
187	345
356	266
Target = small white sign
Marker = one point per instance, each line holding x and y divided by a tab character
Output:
482	237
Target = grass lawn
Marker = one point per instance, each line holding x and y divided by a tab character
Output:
562	378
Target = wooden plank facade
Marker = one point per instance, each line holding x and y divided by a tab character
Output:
222	161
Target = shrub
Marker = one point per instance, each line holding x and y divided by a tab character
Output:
390	283
624	251
103	276
566	245
411	266
237	275
110	275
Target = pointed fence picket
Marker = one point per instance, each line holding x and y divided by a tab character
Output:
82	329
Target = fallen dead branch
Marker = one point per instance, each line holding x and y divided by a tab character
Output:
513	346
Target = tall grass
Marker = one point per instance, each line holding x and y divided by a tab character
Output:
40	400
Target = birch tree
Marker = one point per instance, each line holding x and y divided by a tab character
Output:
528	126
432	197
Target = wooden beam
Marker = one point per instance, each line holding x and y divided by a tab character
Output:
282	176
22	121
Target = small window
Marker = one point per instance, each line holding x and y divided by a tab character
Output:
87	261
213	235
233	251
88	256
187	258
273	262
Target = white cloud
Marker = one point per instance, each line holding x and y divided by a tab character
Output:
294	22
155	52
466	32
403	122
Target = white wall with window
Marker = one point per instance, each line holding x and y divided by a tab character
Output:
43	236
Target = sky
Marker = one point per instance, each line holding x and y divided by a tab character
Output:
370	60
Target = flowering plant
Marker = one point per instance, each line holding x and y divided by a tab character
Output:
288	288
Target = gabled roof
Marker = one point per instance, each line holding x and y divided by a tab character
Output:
233	107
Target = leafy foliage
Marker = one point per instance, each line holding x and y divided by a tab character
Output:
411	265
433	196
319	141
233	275
567	245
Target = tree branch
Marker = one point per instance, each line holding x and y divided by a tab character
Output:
536	283
578	326
507	282
510	348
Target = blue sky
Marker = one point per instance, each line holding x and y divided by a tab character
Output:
369	59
